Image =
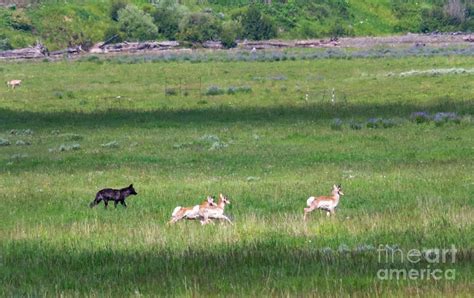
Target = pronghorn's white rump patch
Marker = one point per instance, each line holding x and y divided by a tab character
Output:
310	201
175	211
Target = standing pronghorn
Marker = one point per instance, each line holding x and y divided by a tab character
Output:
190	212
327	203
13	83
216	212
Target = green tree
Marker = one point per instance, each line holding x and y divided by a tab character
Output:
167	17
136	25
115	6
257	26
230	32
200	27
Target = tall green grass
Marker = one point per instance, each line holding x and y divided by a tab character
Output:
406	186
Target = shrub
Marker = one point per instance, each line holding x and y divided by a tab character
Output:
420	117
22	143
113	30
432	19
5	44
451	15
63	147
407	14
82	39
58	94
445	117
115	7
171	91
338	29
18	156
21	132
4	142
112	144
214	90
218	145
136	25
209	138
466	120
20	21
243	89
257	26
199	27
374	123
230	32
308	29
167	16
455	11
388	123
167	21
336	124
73	137
355	125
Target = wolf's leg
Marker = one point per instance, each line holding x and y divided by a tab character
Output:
106	203
115	203
93	203
96	201
123	203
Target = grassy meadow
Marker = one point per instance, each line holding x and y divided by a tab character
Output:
274	134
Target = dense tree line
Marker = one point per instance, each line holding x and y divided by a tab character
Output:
61	24
170	20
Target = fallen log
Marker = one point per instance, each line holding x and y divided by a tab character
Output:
38	51
212	45
469	38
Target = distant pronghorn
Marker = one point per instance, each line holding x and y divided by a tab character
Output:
191	212
215	212
13	83
327	203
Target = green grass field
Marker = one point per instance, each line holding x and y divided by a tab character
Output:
75	127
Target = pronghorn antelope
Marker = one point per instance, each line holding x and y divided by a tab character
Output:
215	212
327	203
13	83
191	212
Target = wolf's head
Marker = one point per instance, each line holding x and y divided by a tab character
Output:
131	190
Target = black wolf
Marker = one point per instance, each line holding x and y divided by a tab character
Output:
117	195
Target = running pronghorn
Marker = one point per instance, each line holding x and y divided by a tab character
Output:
327	203
190	212
215	212
13	83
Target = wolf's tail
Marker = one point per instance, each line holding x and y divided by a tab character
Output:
310	201
175	211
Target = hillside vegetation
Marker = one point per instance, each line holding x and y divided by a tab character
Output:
59	24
